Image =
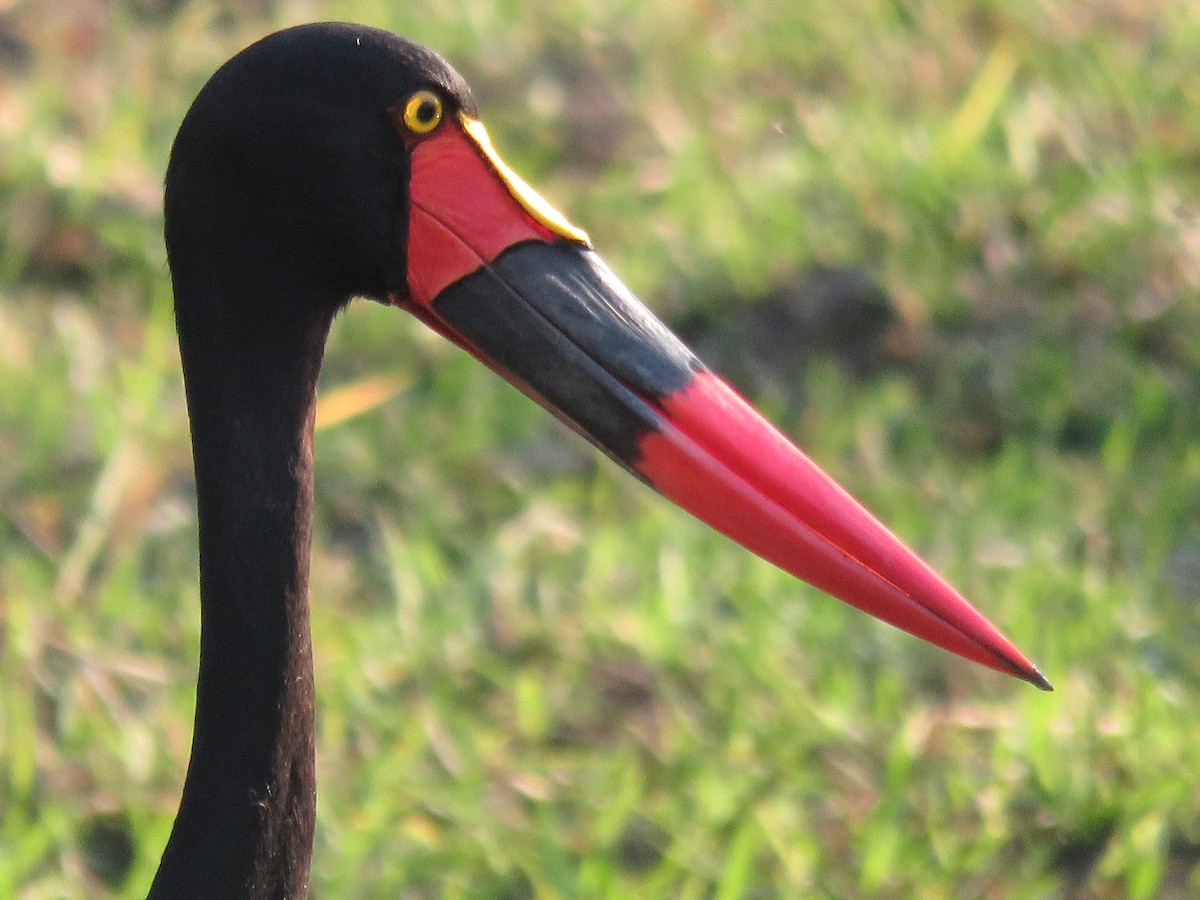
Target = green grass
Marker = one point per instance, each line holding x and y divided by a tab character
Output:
537	680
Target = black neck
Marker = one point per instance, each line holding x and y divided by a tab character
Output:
245	823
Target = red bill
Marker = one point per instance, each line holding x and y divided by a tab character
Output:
497	270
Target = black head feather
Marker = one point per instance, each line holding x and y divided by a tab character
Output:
288	165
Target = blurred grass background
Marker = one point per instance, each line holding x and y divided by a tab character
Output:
952	248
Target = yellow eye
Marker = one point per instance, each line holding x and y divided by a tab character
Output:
423	112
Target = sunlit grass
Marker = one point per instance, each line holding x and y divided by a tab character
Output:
535	678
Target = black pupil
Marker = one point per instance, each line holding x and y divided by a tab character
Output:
426	111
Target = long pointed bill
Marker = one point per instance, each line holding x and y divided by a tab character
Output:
495	269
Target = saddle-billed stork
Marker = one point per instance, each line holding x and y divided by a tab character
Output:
334	161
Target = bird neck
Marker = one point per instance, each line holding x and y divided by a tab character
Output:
246	819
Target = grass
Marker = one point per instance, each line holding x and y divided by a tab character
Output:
535	679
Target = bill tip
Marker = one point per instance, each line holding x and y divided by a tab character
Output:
1038	680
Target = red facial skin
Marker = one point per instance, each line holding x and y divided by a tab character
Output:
461	213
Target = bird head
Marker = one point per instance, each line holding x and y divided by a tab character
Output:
332	161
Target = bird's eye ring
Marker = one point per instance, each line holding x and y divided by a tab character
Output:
422	112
